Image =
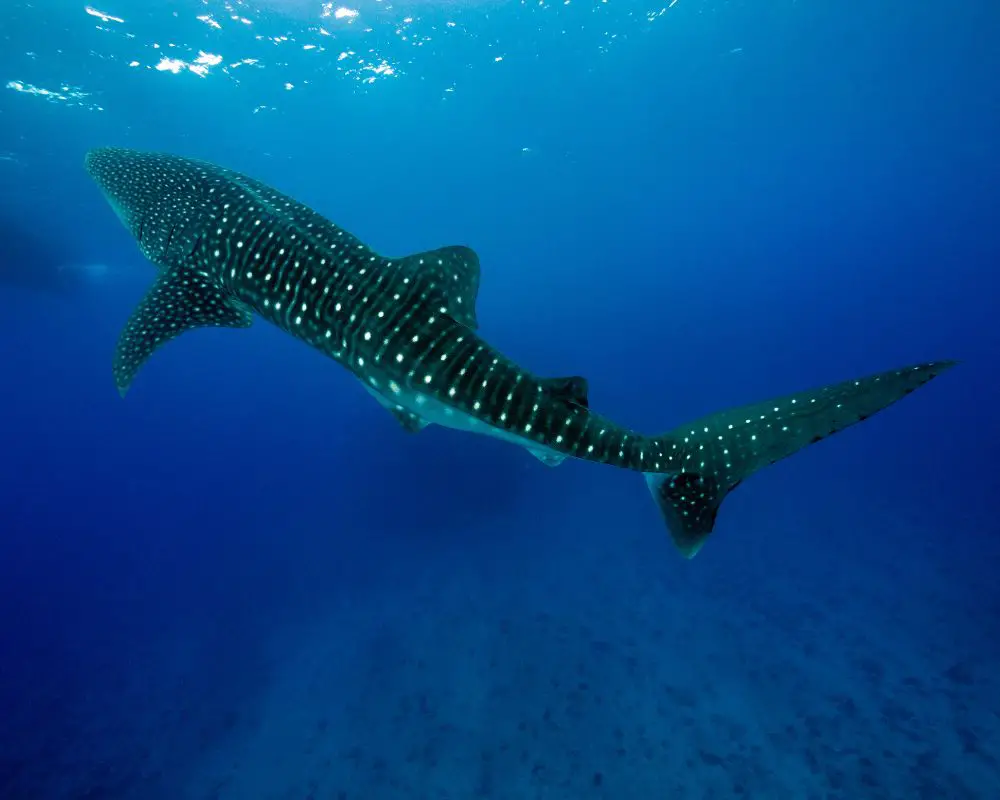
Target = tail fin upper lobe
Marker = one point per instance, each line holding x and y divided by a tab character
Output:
721	450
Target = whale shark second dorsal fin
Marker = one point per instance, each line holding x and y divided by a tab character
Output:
574	389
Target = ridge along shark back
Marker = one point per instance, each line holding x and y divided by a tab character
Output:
228	247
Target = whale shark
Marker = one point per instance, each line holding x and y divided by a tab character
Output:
229	249
30	262
27	261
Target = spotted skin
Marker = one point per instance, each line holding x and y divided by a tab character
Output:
229	247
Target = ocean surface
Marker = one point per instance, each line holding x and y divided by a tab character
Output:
246	582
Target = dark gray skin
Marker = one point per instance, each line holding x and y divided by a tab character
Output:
230	249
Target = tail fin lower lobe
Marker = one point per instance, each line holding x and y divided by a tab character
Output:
719	451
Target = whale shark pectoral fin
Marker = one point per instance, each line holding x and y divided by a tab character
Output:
547	457
455	272
180	300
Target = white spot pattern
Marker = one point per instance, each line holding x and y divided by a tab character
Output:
228	245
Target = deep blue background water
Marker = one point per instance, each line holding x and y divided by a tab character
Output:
244	581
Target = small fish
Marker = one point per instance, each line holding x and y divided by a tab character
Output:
229	247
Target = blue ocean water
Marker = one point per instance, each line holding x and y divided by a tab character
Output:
244	581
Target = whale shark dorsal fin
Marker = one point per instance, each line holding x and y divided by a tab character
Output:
454	272
180	300
573	389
